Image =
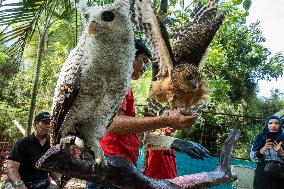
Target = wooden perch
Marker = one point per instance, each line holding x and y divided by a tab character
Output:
221	175
120	173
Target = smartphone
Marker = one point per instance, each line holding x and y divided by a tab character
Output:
271	136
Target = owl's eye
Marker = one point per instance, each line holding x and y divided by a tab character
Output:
189	77
107	16
87	16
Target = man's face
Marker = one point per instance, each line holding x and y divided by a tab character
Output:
139	66
273	126
168	131
43	128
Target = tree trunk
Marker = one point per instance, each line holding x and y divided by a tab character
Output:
164	6
40	51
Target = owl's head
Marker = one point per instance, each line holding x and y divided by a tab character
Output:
112	18
186	77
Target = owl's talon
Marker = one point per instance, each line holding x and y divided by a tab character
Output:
72	145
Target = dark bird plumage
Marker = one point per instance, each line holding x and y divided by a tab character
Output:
181	85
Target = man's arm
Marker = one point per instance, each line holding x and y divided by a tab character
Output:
176	119
13	173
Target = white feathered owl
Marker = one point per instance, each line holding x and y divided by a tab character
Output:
96	75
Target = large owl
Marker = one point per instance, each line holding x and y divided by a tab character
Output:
92	83
179	81
96	75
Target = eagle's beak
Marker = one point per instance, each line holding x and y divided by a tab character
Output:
194	83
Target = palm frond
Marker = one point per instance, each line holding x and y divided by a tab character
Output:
18	21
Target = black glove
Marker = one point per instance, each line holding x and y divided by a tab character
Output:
193	149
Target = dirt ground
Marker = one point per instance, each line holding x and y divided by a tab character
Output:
72	184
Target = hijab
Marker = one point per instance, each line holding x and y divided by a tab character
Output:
260	140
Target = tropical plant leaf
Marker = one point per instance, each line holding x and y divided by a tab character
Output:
247	4
19	21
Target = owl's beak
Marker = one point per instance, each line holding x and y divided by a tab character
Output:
91	29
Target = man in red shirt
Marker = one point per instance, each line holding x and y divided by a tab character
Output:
122	138
126	145
162	163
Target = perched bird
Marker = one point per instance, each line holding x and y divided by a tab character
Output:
182	88
92	83
179	81
96	75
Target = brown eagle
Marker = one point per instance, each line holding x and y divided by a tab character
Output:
179	80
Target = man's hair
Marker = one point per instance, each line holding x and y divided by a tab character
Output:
141	48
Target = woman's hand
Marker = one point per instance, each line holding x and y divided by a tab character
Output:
267	145
278	148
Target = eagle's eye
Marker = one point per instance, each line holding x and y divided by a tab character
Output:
189	77
108	16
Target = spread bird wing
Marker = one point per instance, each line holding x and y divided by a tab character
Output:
192	40
67	88
146	21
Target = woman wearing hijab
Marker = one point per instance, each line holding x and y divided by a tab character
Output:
267	151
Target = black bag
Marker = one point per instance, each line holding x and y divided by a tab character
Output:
40	184
274	169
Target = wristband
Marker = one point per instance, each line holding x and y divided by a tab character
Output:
18	183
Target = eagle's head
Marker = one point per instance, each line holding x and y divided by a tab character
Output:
186	77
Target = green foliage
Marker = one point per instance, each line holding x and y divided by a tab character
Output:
237	2
5	70
17	91
20	20
141	89
8	131
237	56
275	66
247	4
272	104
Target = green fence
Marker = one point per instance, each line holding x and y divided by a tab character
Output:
187	165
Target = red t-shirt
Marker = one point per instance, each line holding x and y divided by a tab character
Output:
162	164
126	146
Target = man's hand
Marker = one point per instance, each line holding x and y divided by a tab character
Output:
13	173
267	145
182	119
